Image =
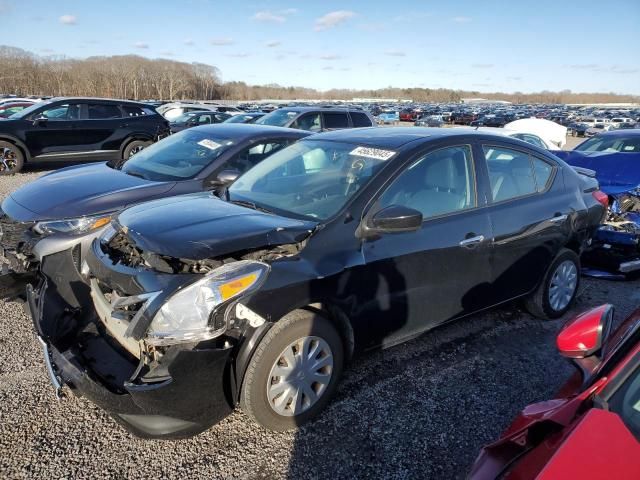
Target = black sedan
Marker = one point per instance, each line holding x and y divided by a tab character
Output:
70	206
343	242
197	118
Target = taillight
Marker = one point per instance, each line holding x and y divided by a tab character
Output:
601	197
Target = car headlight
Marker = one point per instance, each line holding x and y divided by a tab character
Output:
72	225
188	315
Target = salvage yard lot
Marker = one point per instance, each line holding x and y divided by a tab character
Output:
420	410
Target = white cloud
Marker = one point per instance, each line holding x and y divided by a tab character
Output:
482	65
68	19
333	19
189	42
395	53
238	55
267	16
273	44
330	56
218	42
167	54
289	11
141	45
461	19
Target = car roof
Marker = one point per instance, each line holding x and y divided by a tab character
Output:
397	137
321	109
93	99
243	131
624	132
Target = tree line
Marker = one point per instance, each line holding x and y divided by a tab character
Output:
139	78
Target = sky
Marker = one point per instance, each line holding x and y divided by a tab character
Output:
489	45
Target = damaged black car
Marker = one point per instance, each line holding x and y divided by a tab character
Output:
344	242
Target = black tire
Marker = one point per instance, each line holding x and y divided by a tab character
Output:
538	303
133	148
296	325
11	158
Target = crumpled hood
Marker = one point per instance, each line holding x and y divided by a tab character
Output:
616	172
85	190
200	226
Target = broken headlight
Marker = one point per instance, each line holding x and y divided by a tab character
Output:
72	225
188	314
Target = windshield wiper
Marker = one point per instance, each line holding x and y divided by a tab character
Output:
135	174
251	205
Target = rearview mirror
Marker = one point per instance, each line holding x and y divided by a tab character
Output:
41	120
584	335
396	218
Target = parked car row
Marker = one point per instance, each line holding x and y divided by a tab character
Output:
246	265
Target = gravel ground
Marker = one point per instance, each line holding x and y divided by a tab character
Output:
419	410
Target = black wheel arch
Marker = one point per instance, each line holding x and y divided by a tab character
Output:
19	143
252	338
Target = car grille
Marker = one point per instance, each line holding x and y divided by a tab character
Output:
13	233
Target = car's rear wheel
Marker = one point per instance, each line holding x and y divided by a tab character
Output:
134	147
11	158
558	288
294	371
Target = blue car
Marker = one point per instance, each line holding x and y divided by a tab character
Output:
615	158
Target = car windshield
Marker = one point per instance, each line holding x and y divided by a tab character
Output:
239	119
27	111
310	179
177	157
184	117
630	144
278	118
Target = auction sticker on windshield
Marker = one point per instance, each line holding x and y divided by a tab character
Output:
369	152
210	144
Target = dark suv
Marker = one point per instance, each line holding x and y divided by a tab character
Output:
317	119
78	129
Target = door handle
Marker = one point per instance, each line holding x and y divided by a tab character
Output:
558	218
472	242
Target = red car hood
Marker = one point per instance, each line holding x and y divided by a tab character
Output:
599	446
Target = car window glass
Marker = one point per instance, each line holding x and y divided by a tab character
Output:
542	171
62	112
510	173
173	113
441	182
99	112
335	120
131	111
360	119
251	156
203	119
626	402
309	121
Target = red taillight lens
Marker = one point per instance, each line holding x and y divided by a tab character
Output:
601	197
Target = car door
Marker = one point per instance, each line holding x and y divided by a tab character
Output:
53	130
417	280
308	121
335	120
530	214
104	129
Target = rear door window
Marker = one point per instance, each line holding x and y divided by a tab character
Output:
335	120
103	111
309	121
360	119
133	111
514	174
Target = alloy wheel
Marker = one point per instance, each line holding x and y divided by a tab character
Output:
563	285
300	376
8	160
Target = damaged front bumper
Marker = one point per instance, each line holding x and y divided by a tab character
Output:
179	394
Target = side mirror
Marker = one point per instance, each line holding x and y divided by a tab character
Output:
226	178
41	120
585	335
395	218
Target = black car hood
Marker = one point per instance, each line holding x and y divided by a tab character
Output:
200	226
84	190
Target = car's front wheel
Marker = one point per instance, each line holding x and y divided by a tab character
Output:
558	288
294	371
11	158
